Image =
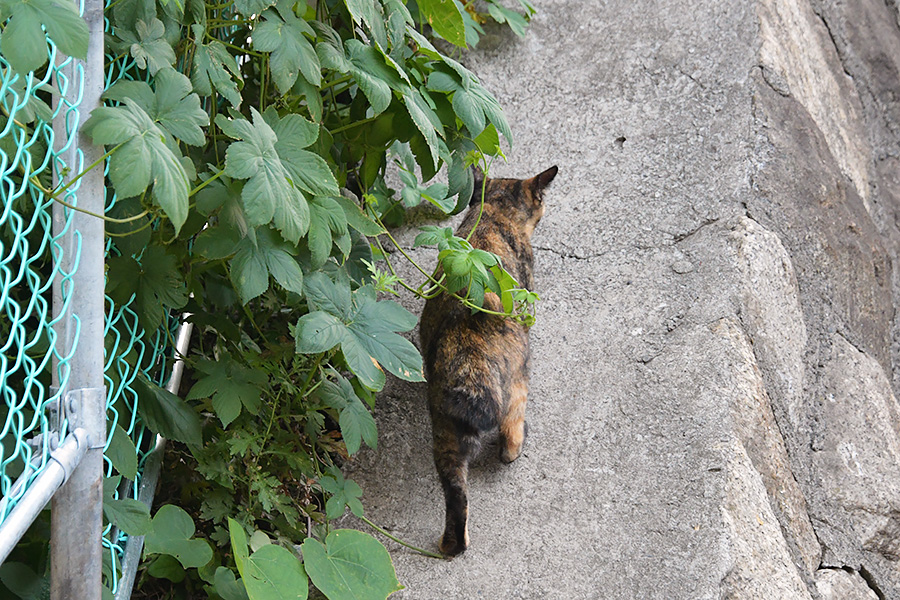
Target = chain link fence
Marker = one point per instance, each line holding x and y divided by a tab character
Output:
40	324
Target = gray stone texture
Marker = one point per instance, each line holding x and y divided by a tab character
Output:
713	407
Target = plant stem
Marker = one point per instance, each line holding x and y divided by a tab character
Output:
483	192
206	183
83	173
352	125
437	283
335	82
380	530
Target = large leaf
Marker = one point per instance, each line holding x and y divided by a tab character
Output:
357	423
142	158
446	20
324	294
357	219
350	564
257	258
366	334
148	45
229	385
121	453
425	120
226	585
252	7
327	221
165	413
215	68
23	42
284	35
172	105
130	515
276	169
172	530
155	282
473	104
344	493
270	573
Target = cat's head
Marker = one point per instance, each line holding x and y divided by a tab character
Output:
520	199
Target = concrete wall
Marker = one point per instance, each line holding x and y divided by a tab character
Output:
713	409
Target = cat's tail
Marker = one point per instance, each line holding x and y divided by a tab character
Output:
455	444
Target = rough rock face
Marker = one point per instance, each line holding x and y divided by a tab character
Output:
713	410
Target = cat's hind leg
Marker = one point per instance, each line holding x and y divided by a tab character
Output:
454	446
513	428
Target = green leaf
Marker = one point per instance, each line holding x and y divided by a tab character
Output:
374	77
366	333
214	67
166	567
249	8
357	423
165	413
274	573
155	282
357	219
142	158
292	131
324	294
270	573
178	109
148	45
255	261
23	42
284	268
22	581
227	587
507	284
130	515
122	453
446	20
488	141
317	332
430	234
249	272
350	564
374	325
326	218
217	242
313	98
343	492
172	530
172	105
229	385
515	21
274	169
284	35
425	120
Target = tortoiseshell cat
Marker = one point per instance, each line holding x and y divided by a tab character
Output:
477	364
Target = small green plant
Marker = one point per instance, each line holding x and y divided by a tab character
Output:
248	144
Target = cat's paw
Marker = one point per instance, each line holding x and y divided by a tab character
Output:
510	452
451	547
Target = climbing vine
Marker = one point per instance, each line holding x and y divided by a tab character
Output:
248	147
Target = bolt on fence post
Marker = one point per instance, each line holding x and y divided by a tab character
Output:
77	509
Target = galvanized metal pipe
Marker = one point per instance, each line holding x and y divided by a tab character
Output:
77	510
62	463
150	473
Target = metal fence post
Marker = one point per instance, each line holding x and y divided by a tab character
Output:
76	517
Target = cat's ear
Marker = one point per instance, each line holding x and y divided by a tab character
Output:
539	182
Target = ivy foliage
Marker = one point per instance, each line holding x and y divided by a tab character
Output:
249	144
